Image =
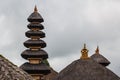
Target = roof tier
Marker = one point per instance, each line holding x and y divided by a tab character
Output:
35	25
35	16
40	68
34	54
34	43
32	33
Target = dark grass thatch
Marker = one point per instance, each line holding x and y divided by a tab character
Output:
31	33
34	25
100	59
9	71
35	16
40	68
34	54
86	70
35	43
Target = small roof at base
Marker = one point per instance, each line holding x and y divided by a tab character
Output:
99	58
9	71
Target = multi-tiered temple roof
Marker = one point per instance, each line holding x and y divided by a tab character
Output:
35	53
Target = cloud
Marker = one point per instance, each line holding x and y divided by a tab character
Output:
68	25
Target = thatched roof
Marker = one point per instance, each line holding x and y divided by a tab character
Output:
35	43
34	25
86	69
35	16
9	71
40	68
99	58
34	54
52	75
31	33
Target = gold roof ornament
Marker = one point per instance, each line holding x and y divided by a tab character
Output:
84	52
35	9
97	50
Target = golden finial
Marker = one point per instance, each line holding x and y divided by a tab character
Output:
97	50
84	46
35	9
84	52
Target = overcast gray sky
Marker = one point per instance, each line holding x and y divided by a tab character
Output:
68	25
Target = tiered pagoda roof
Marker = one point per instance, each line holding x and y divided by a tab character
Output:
35	53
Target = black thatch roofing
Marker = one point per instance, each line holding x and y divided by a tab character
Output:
31	33
99	58
86	69
34	54
35	25
9	71
34	43
40	68
35	17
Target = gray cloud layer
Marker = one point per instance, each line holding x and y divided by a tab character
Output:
68	25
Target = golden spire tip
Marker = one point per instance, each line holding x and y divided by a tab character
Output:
97	50
35	9
84	46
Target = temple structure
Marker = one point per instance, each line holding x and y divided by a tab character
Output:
35	53
86	68
38	68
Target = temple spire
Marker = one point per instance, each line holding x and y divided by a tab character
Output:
35	9
84	46
34	52
84	52
97	50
